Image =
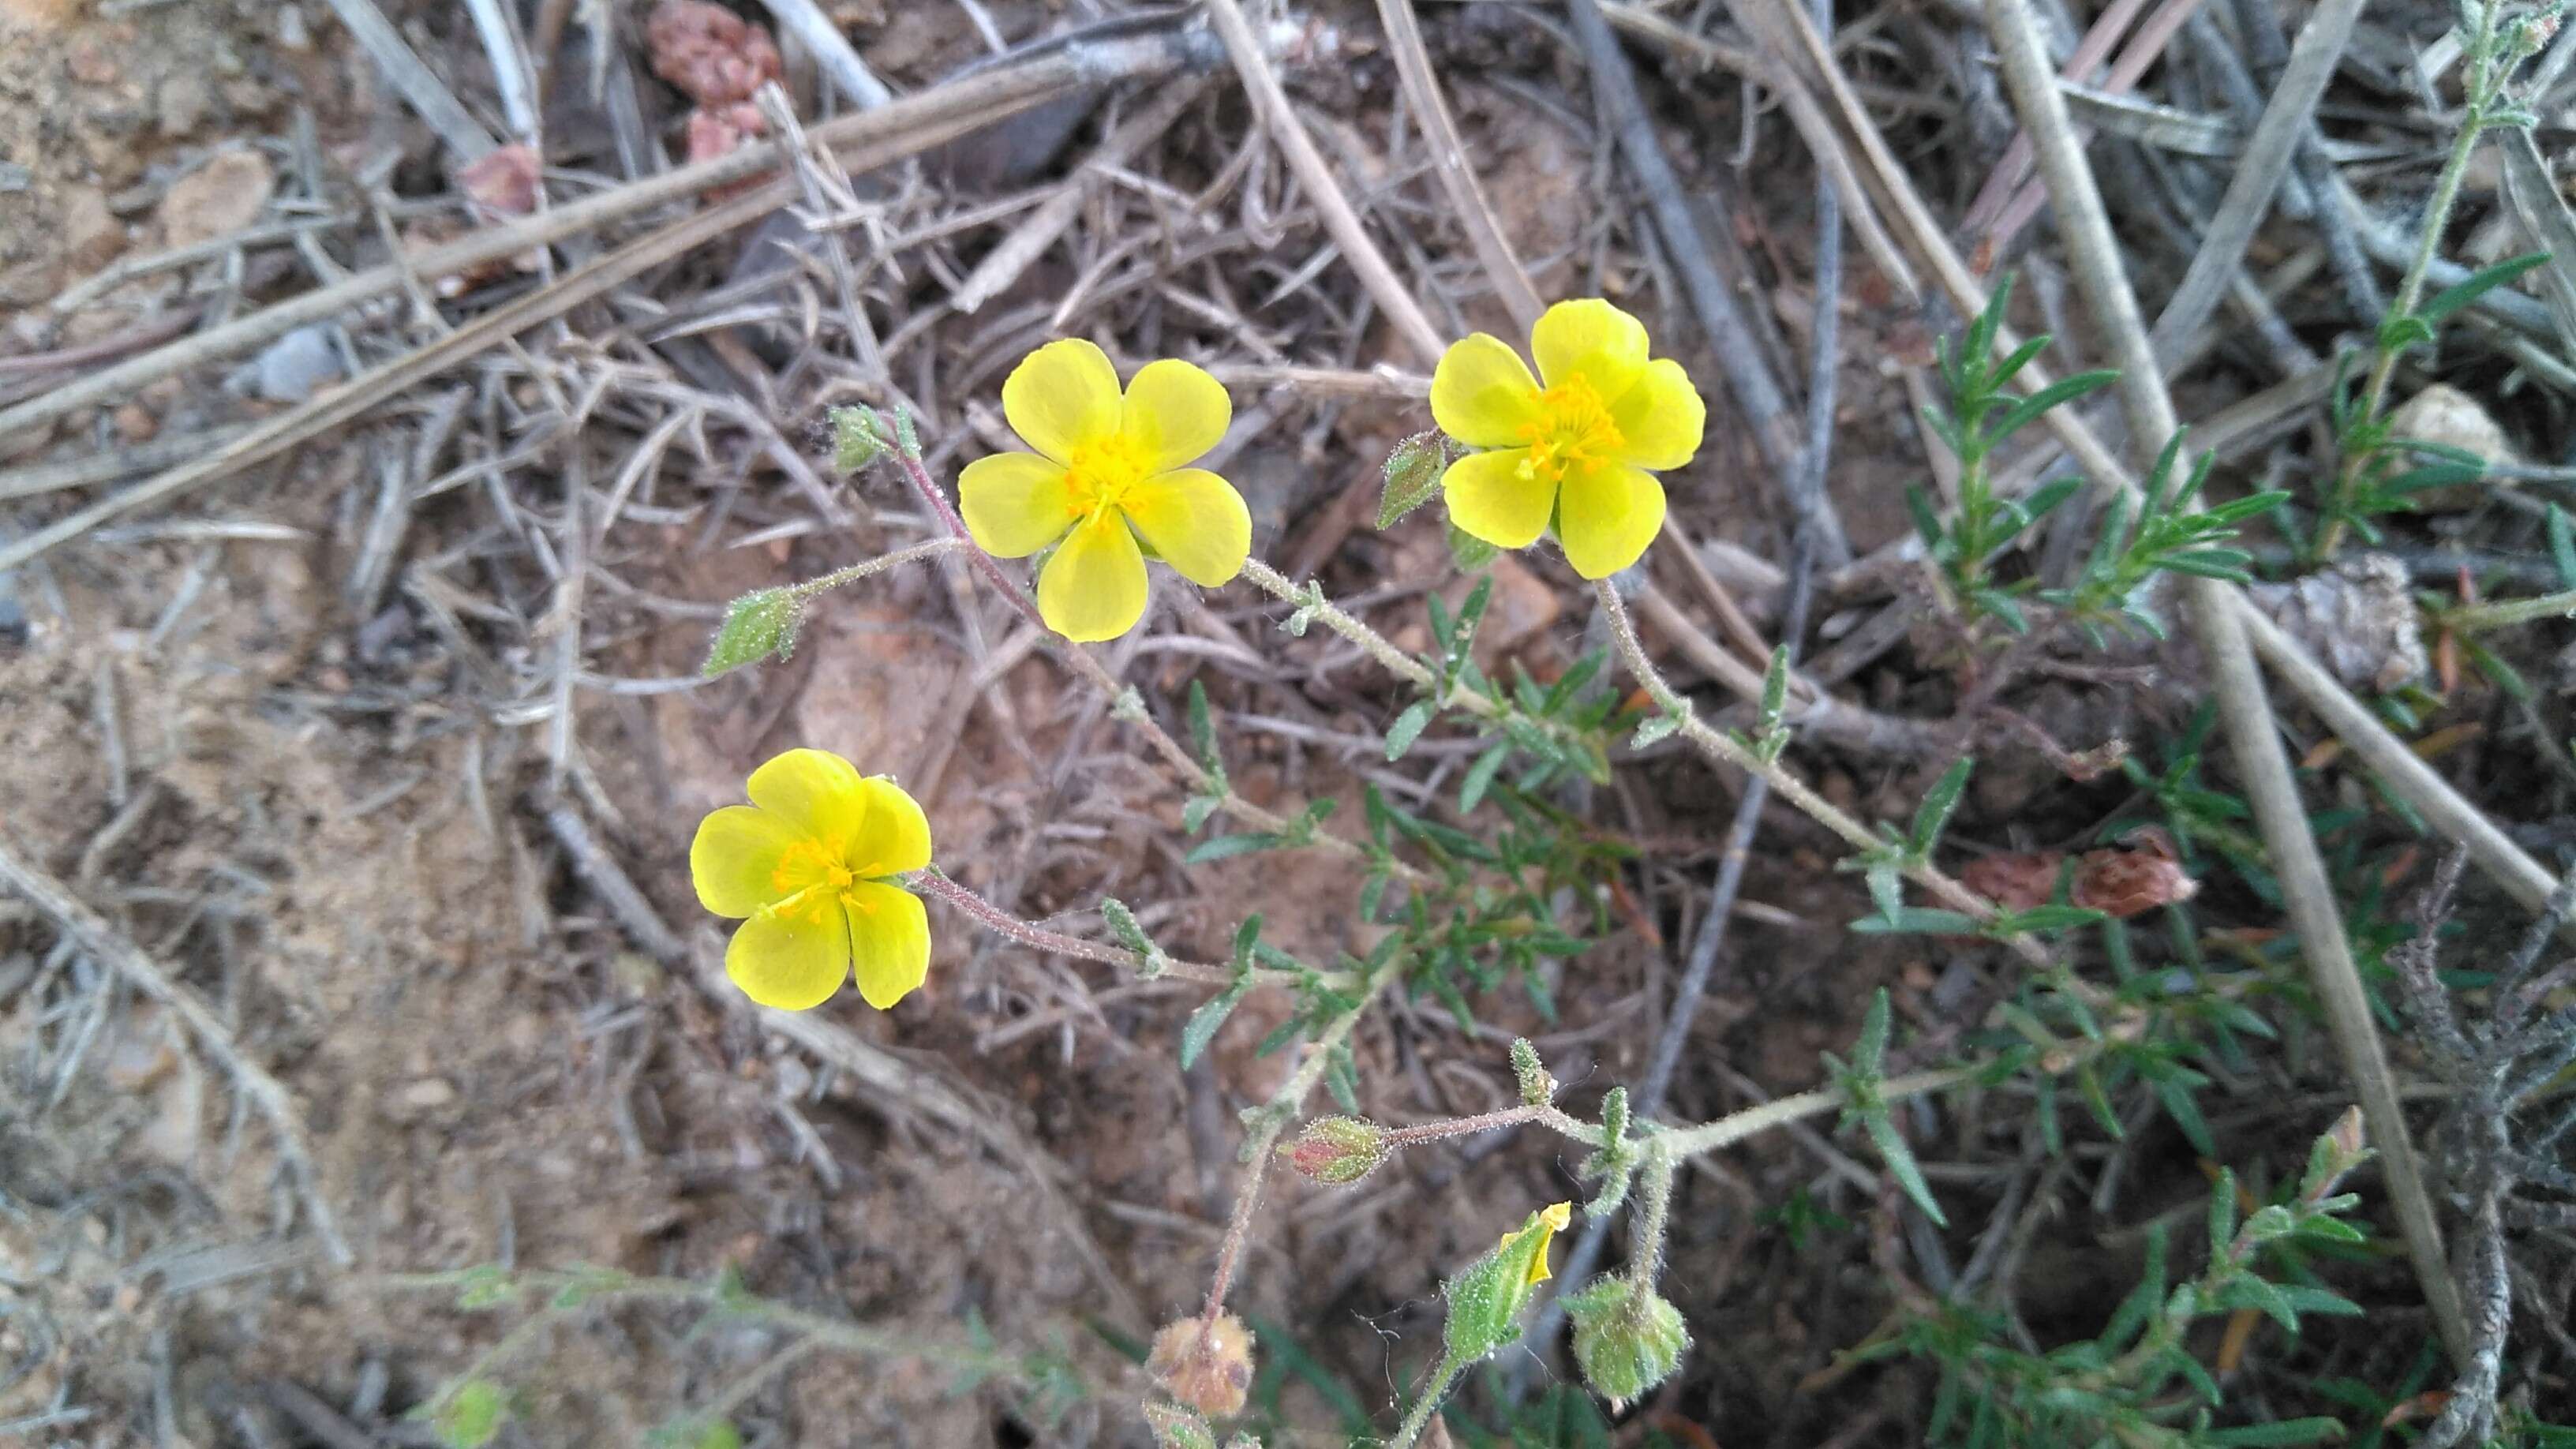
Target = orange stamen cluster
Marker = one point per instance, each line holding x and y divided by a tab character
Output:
1572	432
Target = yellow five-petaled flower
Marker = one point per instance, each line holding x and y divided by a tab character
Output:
808	867
1108	468
1572	446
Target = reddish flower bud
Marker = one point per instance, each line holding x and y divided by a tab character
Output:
1338	1150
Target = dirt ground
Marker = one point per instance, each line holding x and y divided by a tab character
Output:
320	779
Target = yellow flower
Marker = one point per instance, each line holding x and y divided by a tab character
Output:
1107	469
1575	451
1541	1229
808	868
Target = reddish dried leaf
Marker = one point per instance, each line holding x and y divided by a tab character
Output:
2015	882
502	182
2126	883
712	54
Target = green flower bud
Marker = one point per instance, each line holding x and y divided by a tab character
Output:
1177	1428
757	625
1486	1298
1338	1150
1627	1338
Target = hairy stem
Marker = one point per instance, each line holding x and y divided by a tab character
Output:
932	882
1434	1389
1654	1206
927	548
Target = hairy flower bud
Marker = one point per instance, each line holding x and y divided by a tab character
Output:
1177	1428
1627	1338
1338	1150
1206	1366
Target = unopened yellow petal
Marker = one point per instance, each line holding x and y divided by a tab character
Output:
1094	587
1660	418
1606	517
1489	499
1551	1221
1196	521
1061	396
895	836
889	942
1174	413
1592	340
1482	394
734	856
814	791
791	960
1015	503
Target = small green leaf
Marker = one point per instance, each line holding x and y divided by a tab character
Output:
1900	1163
1943	798
1413	472
471	1416
1916	921
2222	1211
2562	546
1654	729
1202	1026
2470	288
2065	389
1469	552
1196	811
757	625
1775	688
2286	1431
1203	730
1226	847
1480	776
1408	727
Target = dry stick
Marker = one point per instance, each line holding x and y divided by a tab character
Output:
2265	160
1786	30
1449	161
433	102
111	948
1739	356
831	50
868	139
1386	289
1805	116
2252	732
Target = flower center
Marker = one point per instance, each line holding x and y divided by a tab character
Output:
1573	431
1104	471
811	874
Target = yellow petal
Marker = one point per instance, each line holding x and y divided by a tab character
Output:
1196	521
1606	518
1482	394
895	837
1174	413
1551	1221
1592	340
889	942
734	856
1015	503
792	960
1660	418
1094	587
813	791
1489	499
1061	396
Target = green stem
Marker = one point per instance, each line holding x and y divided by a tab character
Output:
1654	1206
2480	77
927	548
2504	613
1435	1389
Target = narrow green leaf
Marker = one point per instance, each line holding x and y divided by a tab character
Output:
2562	546
1480	776
1916	921
2222	1212
1226	847
1202	1026
1901	1164
2286	1431
2065	389
1934	813
1203	729
1408	727
1469	552
2477	284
